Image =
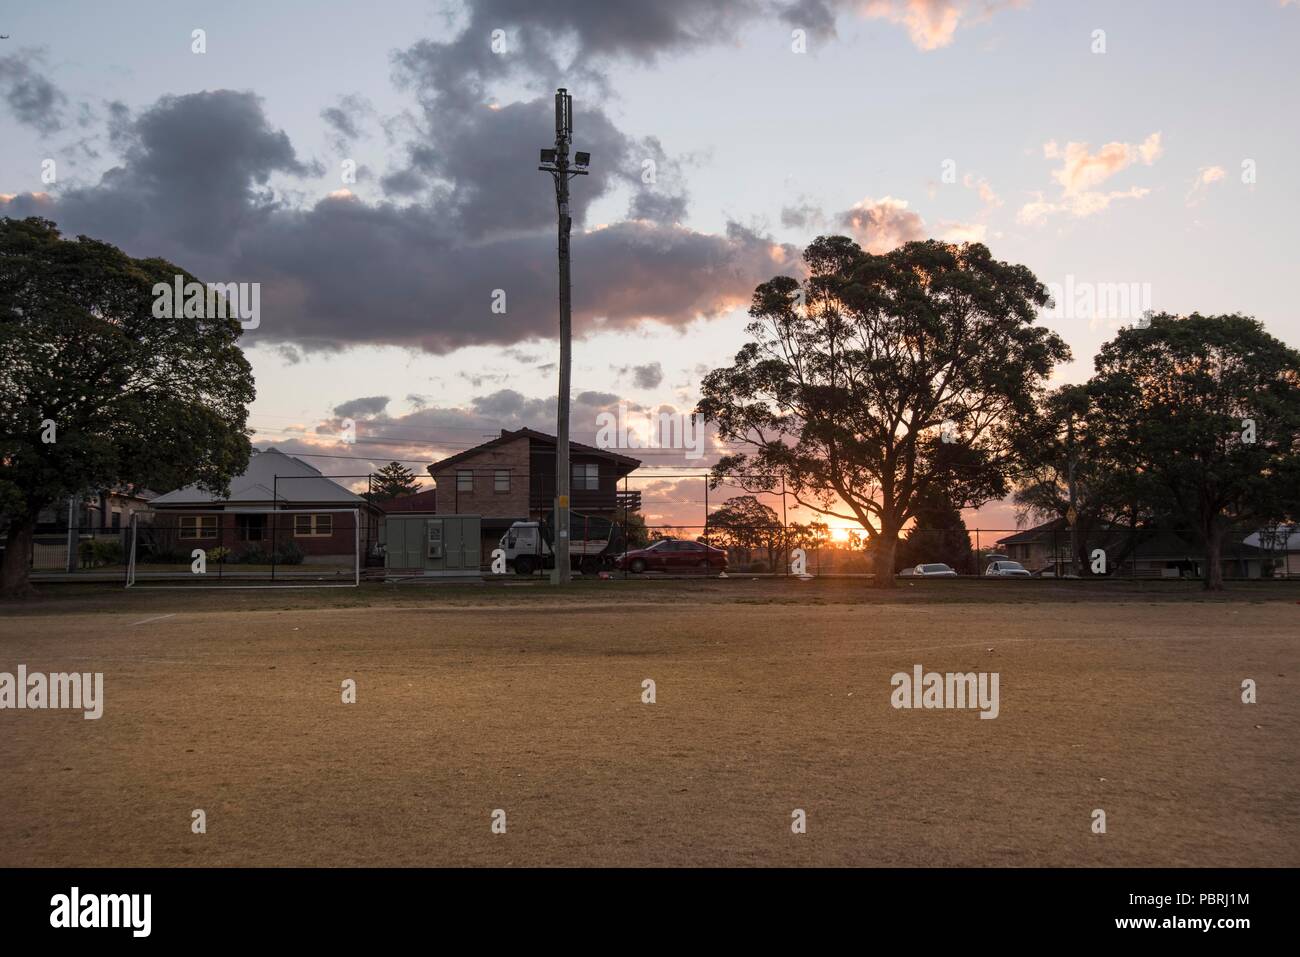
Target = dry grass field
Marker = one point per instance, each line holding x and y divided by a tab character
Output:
770	697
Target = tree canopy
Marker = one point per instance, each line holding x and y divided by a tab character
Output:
1203	412
393	481
95	391
881	379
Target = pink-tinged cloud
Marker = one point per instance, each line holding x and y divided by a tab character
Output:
879	225
1205	177
932	24
1082	170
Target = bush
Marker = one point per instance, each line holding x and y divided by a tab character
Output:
254	555
219	554
289	553
163	555
94	551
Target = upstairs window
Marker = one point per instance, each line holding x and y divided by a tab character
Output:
464	480
586	476
501	480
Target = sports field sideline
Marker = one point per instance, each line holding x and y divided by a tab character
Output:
770	697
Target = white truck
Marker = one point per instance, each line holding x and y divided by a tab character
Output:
594	543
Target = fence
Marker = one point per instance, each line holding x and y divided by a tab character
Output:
1142	553
278	545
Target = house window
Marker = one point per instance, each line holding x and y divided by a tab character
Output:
501	480
117	521
586	476
464	480
251	528
198	526
313	526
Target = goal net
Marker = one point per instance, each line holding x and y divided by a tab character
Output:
252	548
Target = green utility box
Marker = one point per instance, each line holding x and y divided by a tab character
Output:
421	543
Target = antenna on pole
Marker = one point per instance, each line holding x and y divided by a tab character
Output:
556	162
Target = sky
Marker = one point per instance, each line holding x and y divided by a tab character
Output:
1148	147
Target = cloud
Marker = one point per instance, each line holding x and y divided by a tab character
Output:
368	406
346	120
932	24
647	376
30	96
1206	176
879	225
803	216
194	187
981	185
1082	170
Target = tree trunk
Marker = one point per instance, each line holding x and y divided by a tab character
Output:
886	545
14	582
1213	577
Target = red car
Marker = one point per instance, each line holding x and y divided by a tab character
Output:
671	555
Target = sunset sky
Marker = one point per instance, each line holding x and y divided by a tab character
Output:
1168	161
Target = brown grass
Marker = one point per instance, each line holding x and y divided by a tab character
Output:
471	700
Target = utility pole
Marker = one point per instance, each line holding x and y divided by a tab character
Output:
556	162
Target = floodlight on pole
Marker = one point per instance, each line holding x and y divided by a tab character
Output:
556	162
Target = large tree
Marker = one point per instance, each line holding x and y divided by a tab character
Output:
743	522
393	481
1204	412
1067	466
938	534
95	391
879	380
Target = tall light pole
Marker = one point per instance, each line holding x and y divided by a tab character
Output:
556	162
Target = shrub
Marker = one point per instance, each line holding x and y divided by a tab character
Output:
94	551
254	555
290	553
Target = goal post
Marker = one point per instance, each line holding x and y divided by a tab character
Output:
298	547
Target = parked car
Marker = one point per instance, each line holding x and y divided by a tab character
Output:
935	570
1007	569
907	572
672	555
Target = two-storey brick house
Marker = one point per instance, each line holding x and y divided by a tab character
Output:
512	479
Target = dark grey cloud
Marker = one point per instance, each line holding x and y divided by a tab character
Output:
200	183
429	432
347	119
647	376
366	406
591	33
29	95
193	180
802	216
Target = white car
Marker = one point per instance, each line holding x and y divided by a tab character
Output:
938	570
1006	569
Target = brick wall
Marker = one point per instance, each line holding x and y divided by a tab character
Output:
279	530
484	500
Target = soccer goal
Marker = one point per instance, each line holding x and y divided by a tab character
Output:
301	547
